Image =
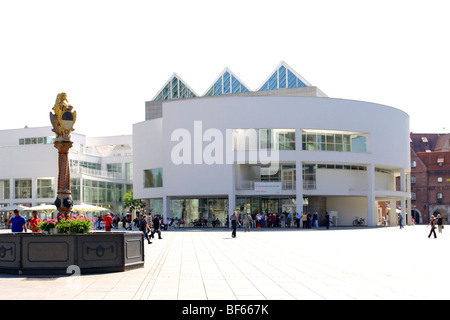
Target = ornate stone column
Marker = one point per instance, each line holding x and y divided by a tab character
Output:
63	200
63	120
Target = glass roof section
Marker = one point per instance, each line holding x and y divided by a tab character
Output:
284	77
175	88
226	83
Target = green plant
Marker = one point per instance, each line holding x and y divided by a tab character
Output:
75	224
63	226
47	225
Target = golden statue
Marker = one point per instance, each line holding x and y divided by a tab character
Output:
63	119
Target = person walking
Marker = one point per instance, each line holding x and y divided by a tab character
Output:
433	226
305	220
327	220
144	227
400	220
108	222
34	222
17	223
234	221
247	221
316	220
439	223
156	227
258	221
310	217
298	217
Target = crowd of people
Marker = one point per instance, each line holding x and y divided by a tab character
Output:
306	220
150	225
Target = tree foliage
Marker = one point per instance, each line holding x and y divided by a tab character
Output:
132	203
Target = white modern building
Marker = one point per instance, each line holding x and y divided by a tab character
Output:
101	168
283	147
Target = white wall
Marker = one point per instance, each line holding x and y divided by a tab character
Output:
147	154
348	208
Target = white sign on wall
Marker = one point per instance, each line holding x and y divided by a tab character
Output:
268	187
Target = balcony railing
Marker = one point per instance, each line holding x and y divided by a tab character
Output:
96	173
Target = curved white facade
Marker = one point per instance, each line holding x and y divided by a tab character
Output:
369	149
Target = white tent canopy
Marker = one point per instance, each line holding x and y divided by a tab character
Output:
46	208
83	208
13	207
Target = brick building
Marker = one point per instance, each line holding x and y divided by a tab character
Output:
430	176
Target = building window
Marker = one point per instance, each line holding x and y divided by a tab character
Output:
75	189
196	211
439	195
332	141
413	196
156	206
413	179
4	189
439	179
153	178
264	139
309	176
22	189
114	167
129	171
45	188
413	164
285	139
103	193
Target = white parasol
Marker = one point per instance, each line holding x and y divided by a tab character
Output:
83	208
46	208
13	207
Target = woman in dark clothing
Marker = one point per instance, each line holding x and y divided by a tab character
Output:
432	224
439	223
234	221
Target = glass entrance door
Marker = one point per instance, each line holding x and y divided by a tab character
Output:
270	205
288	177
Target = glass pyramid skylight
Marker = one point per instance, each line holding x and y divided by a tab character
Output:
175	88
284	77
226	83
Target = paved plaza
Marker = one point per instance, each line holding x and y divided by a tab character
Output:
277	264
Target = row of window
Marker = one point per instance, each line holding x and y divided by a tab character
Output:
439	179
320	141
36	140
23	189
85	164
153	178
110	168
99	192
439	196
93	191
284	139
440	161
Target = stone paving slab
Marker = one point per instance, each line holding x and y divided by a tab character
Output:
337	264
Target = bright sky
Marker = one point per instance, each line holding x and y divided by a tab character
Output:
112	56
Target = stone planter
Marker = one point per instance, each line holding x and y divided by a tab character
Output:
53	254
